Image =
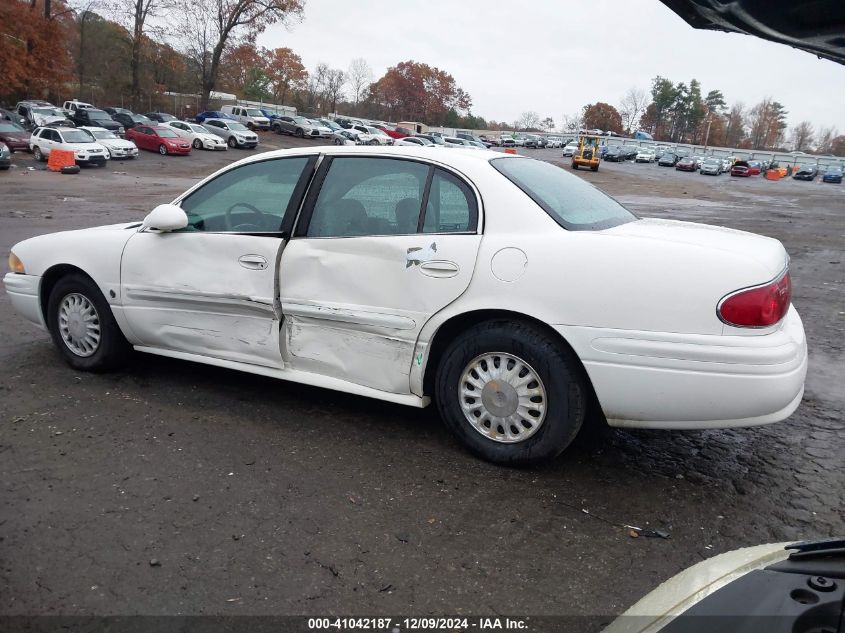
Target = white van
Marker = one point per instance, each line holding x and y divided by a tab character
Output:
250	116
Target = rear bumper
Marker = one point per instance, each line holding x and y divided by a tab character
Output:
23	294
682	381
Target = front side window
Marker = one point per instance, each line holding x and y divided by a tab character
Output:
252	198
369	196
571	202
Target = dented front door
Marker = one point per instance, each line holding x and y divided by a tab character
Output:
210	294
366	272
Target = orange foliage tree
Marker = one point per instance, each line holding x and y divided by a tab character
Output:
33	46
417	92
602	116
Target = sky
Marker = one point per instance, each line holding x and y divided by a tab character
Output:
555	56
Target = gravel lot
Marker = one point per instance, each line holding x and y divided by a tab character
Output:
174	488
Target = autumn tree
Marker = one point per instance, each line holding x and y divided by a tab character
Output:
734	125
602	116
286	73
631	108
206	29
415	91
837	146
359	76
767	123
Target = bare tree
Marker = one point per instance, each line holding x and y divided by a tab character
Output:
335	79
632	107
572	122
824	140
735	125
802	136
206	28
528	120
359	75
134	15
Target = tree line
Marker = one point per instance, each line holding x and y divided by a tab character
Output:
126	52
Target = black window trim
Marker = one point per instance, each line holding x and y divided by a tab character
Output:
303	220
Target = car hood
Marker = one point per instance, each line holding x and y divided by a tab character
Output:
117	143
766	251
46	119
21	137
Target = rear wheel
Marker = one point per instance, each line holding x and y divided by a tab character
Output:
596	168
511	393
574	165
82	325
162	149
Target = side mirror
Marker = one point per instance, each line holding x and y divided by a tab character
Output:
166	217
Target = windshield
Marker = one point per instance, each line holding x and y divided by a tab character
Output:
49	111
166	133
571	202
140	118
423	141
198	129
254	112
98	115
330	124
102	135
77	136
300	119
236	126
10	127
375	130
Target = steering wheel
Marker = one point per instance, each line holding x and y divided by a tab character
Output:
246	226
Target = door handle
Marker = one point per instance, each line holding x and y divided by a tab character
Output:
253	262
439	268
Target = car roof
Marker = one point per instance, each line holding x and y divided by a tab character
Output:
93	128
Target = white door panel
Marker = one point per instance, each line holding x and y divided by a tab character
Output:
204	293
354	306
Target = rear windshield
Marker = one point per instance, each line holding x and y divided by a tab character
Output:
571	202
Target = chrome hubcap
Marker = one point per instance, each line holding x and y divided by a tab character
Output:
502	397
79	324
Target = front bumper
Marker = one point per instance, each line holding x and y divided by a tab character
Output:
23	294
124	153
215	145
688	381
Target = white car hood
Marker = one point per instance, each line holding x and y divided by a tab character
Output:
41	119
116	143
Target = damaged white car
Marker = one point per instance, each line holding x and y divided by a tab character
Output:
508	291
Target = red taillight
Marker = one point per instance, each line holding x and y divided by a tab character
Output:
758	307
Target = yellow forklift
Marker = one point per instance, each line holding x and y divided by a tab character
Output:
588	152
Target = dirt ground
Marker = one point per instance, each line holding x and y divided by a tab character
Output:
175	488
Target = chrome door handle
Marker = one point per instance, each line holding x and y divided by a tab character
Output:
439	268
253	262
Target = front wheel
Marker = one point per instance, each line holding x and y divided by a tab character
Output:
232	142
82	325
37	154
575	166
197	144
596	168
300	133
511	393
162	149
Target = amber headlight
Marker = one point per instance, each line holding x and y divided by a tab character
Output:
15	264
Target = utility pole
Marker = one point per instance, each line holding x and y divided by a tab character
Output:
707	133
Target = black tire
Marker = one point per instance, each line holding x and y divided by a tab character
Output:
113	349
162	149
36	152
197	144
596	168
300	133
559	370
232	142
575	166
5	167
70	169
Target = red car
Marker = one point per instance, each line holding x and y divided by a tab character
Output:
158	138
14	136
686	164
740	168
393	133
754	167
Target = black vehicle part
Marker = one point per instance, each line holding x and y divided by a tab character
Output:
70	169
815	26
803	594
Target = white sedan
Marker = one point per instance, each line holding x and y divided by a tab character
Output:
508	291
116	146
199	137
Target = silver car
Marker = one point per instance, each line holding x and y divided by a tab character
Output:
236	134
301	127
712	166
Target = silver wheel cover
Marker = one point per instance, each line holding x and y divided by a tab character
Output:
502	397
79	324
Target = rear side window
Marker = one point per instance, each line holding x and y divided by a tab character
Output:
451	205
571	202
369	196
